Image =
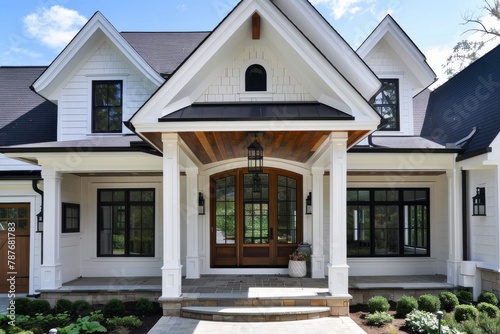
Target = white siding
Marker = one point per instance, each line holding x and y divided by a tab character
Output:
106	63
282	85
386	65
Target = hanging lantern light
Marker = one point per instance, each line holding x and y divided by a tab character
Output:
255	157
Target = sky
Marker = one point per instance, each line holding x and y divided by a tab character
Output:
33	32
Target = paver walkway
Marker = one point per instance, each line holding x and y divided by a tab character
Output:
334	325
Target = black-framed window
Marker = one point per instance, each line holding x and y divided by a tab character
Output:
126	222
70	218
388	222
386	102
107	106
255	79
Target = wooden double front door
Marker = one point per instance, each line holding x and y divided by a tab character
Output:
256	219
14	247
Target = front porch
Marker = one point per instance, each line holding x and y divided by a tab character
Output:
249	290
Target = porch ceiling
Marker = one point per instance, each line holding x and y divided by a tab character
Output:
297	146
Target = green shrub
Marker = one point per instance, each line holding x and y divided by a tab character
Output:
379	319
465	295
469	327
491	310
130	321
448	301
113	308
82	325
22	305
466	312
144	306
378	303
488	297
37	306
425	322
488	325
96	316
405	305
429	303
63	305
81	308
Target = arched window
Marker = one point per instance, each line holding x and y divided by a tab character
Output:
255	79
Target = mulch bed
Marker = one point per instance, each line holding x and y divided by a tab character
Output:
358	312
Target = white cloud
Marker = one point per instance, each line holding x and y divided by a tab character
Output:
54	26
340	8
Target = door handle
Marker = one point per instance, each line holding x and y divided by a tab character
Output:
271	233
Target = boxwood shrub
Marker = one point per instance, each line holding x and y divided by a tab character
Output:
465	313
429	303
378	304
405	305
488	297
448	301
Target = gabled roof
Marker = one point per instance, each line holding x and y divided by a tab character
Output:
469	99
25	117
164	51
410	55
97	28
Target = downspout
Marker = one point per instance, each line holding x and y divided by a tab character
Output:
465	217
40	192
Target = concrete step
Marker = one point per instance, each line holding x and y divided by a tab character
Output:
254	314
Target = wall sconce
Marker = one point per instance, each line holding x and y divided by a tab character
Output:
201	204
479	203
39	221
309	204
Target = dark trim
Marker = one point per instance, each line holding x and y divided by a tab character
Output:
465	216
21	175
64	228
380	149
68	149
473	154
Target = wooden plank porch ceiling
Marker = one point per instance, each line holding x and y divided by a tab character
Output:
296	146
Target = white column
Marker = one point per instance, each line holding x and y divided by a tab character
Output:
172	268
192	257
338	270
318	256
52	206
454	226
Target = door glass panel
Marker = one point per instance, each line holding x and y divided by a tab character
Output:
225	211
256	208
287	210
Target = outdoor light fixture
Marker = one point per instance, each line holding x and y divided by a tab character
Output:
479	202
255	157
309	204
39	221
201	204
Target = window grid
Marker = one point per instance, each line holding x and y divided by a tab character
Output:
225	210
107	106
70	218
287	210
387	104
256	206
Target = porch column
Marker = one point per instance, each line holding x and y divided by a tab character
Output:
172	268
338	270
192	257
318	256
52	207
454	227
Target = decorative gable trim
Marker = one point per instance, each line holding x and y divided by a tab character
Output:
77	50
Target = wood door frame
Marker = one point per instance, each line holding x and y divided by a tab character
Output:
230	255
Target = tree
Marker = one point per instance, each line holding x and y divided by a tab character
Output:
493	9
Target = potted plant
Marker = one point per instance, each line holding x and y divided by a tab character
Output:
297	266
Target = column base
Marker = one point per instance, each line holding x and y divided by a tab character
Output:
452	272
171	282
192	267
317	266
338	280
51	277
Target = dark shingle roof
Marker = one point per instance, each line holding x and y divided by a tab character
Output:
469	99
420	103
25	117
164	51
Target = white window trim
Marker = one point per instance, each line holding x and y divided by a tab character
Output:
256	96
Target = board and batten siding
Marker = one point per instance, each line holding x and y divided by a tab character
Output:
386	65
230	85
106	63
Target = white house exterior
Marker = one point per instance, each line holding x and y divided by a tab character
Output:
122	200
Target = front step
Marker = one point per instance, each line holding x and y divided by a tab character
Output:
254	314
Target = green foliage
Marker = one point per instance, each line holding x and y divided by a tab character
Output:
488	297
63	305
144	306
448	301
488	325
466	312
426	322
82	325
405	305
37	306
96	316
491	311
22	305
113	308
130	321
469	327
429	303
378	304
42	323
379	319
465	295
81	308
